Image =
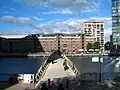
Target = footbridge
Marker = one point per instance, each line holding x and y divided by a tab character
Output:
55	69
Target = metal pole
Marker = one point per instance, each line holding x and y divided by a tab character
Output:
100	67
117	46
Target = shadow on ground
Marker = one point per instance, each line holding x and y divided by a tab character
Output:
55	55
4	85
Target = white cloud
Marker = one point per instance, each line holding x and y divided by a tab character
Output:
8	19
76	6
104	19
64	11
37	18
19	20
13	9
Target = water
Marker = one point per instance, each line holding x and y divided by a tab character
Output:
10	66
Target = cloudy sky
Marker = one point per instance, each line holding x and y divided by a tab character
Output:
52	16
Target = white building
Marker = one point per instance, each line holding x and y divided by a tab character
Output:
94	29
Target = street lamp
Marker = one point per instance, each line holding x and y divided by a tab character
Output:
100	61
99	66
116	45
117	36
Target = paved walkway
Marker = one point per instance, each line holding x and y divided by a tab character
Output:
21	86
56	70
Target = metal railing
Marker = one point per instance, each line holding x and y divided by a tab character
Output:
41	72
72	66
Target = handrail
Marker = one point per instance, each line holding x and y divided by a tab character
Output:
42	71
72	66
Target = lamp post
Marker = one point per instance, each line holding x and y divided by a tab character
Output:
116	45
117	36
100	54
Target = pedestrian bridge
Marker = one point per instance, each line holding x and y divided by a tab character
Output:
55	70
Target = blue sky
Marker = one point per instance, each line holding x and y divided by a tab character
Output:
35	16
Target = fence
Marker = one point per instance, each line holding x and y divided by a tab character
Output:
72	66
41	71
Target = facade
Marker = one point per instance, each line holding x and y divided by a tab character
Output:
116	21
67	43
20	44
94	31
48	43
115	37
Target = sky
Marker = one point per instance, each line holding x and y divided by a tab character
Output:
52	16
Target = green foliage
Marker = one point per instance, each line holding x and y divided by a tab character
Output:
107	46
89	46
96	45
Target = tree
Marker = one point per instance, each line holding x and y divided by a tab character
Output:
107	46
96	45
89	46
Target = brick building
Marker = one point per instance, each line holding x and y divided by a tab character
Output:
67	43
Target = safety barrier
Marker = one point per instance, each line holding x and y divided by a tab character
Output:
41	71
72	66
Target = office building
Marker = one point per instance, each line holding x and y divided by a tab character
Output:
94	29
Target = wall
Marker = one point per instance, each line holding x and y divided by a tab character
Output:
21	45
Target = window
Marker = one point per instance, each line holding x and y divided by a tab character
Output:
98	25
98	32
114	20
73	50
64	45
101	25
89	25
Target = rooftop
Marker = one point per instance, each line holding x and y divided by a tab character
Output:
15	36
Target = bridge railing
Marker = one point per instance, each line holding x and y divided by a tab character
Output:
72	66
41	71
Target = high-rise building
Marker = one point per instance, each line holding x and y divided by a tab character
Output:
94	29
116	22
115	39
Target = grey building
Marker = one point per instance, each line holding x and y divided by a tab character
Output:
115	39
116	21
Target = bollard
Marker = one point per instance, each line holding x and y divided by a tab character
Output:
49	83
67	83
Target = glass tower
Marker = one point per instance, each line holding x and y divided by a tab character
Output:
116	21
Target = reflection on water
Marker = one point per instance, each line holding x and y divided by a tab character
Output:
31	65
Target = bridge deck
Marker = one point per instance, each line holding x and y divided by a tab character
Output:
56	70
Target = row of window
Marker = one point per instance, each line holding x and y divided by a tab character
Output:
91	25
116	11
90	29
